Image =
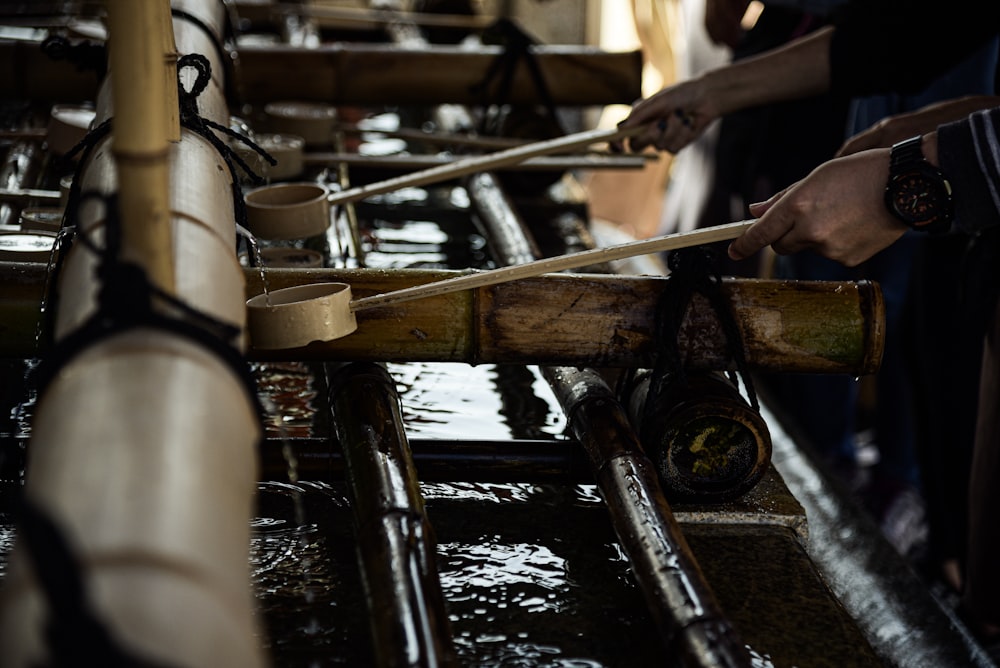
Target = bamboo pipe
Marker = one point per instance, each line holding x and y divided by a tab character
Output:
396	544
142	127
153	492
483	163
683	606
435	459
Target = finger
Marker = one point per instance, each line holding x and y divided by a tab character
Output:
676	131
765	232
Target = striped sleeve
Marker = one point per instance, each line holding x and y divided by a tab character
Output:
969	155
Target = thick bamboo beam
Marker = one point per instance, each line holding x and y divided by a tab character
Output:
604	321
380	74
396	544
572	319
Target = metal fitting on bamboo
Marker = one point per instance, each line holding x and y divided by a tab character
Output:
409	623
707	442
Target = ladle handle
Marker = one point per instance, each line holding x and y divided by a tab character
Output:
482	163
571	261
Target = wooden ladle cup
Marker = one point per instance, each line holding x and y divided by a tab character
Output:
296	316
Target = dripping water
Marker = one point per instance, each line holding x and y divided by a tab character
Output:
256	258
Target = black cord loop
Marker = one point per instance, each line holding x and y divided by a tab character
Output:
192	120
693	270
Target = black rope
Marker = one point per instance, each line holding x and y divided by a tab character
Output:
192	120
85	55
693	270
220	50
126	301
74	634
517	48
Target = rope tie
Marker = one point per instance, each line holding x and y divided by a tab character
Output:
517	47
192	120
693	270
126	301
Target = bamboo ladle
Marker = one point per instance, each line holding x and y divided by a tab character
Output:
482	163
296	316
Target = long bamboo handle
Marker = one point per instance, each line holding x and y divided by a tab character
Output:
548	265
482	163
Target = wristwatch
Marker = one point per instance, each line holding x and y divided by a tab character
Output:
917	192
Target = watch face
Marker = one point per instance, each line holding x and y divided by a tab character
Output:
918	200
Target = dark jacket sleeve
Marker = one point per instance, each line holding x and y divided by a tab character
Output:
969	156
882	46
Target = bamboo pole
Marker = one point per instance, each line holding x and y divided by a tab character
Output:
396	545
141	131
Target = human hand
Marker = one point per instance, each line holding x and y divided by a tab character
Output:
675	116
838	211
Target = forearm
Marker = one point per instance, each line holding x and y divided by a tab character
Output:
798	69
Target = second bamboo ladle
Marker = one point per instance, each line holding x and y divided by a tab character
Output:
296	316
